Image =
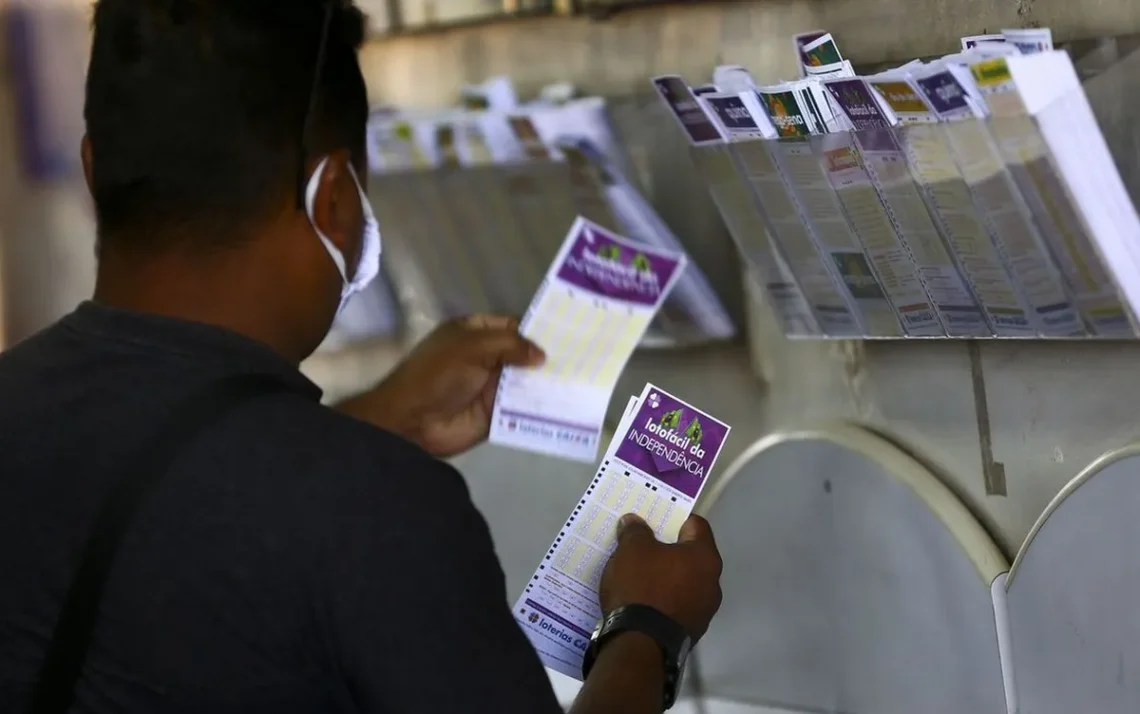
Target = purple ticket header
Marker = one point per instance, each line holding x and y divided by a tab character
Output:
733	113
673	442
944	92
617	268
688	111
857	102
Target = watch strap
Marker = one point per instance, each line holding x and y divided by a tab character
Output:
669	635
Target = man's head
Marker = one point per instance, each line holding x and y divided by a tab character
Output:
206	120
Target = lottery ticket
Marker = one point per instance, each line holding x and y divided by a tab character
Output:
590	312
656	466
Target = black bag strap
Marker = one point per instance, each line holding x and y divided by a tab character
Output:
61	668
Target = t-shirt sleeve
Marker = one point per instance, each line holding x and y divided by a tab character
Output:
417	605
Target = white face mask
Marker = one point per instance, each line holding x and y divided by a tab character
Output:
369	266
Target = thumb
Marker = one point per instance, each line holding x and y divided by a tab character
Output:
696	530
632	528
507	346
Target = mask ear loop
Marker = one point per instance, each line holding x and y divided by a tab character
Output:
311	109
372	245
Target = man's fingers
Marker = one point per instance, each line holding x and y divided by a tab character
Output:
631	528
696	530
503	346
491	322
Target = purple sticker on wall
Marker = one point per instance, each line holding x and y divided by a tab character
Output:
673	442
688	111
607	265
47	74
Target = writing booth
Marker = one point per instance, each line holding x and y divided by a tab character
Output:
1072	594
854	581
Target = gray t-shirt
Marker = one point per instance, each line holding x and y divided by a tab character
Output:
293	560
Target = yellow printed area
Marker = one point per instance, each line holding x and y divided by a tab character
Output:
1048	197
900	97
672	526
991	72
1111	311
566	554
586	566
609	483
598	528
617	497
586	341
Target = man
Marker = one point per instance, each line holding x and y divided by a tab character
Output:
293	558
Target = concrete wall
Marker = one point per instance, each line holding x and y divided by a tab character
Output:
614	57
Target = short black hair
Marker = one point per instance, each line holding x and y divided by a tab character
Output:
195	110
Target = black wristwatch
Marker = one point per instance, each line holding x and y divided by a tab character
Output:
664	630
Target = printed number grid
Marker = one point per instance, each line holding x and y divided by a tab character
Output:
586	339
583	547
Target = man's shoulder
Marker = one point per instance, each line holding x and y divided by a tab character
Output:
355	487
305	441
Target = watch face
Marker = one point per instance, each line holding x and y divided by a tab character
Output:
598	630
683	652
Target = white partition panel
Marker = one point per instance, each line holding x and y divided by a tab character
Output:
854	582
1074	596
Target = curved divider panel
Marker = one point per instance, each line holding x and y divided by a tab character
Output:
854	582
524	497
1074	596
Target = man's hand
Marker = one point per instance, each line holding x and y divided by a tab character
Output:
680	580
442	394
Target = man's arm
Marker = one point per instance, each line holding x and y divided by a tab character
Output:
628	678
416	608
417	613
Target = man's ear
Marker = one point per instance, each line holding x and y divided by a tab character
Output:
85	157
336	192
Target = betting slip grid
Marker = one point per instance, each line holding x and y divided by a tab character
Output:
588	539
582	551
587	339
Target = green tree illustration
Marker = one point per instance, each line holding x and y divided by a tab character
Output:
670	420
694	432
609	252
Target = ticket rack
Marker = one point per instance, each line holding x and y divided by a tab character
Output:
1018	225
470	239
